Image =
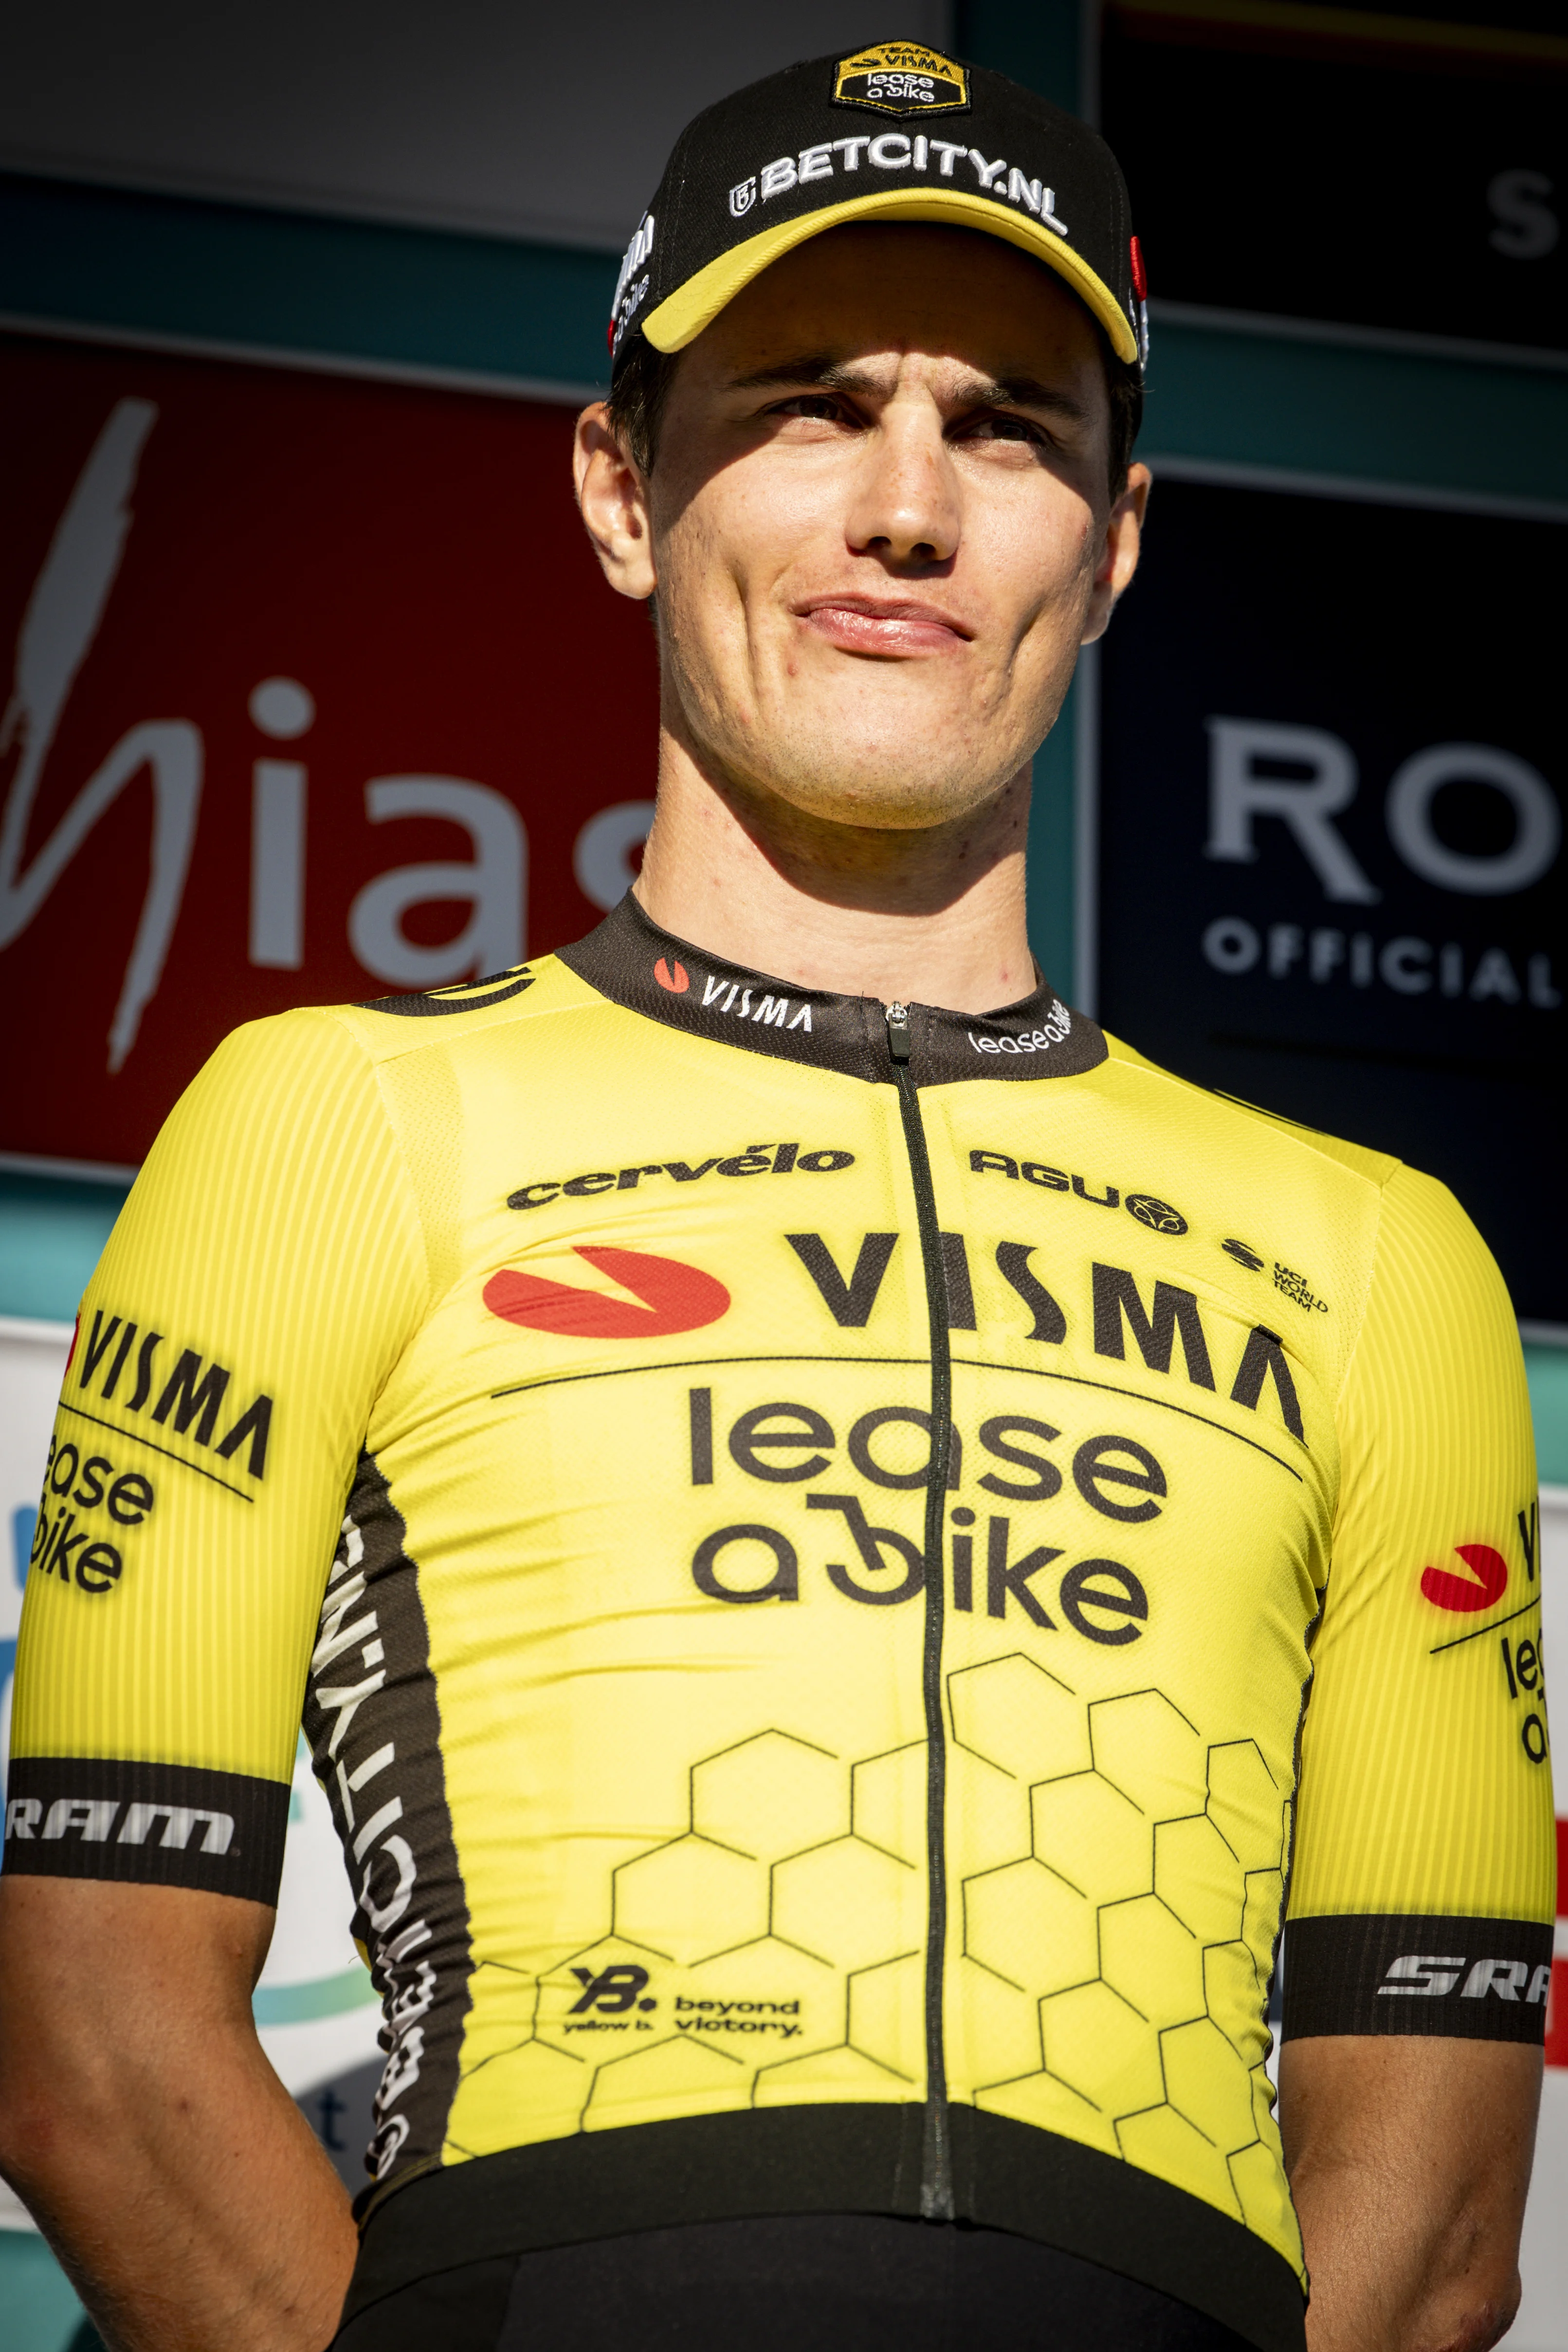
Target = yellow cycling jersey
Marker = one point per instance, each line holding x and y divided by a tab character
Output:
838	1563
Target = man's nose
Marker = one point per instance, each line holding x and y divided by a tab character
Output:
905	506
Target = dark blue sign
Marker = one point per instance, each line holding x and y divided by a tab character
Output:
1332	877
1383	169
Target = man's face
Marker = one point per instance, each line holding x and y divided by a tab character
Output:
879	525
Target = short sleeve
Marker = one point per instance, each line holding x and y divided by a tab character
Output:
260	1282
1421	1895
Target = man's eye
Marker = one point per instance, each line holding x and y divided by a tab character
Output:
819	405
1001	428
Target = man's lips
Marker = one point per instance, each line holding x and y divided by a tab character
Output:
889	625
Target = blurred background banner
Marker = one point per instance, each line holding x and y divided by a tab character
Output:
1393	169
317	693
1331	876
310	689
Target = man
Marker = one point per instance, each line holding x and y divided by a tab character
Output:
841	1523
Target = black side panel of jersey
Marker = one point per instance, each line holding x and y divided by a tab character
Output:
375	1726
1477	1979
1013	2176
861	2159
158	1824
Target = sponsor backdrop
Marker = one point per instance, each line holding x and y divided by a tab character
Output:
316	692
1330	874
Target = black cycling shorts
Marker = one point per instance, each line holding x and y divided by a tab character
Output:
807	2283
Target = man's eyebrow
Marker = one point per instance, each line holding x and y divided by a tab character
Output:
825	373
816	368
1020	392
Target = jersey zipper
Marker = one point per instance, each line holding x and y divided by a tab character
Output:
936	2154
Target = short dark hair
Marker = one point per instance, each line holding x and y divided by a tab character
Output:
636	404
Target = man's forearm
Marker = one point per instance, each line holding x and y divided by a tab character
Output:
1409	2164
180	2185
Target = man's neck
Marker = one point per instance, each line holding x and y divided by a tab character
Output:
936	915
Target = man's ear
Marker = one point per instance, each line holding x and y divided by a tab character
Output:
1119	552
611	498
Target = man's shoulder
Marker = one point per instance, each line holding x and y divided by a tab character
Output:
1227	1123
504	1005
331	1068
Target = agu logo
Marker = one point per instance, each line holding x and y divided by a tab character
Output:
670	1298
1158	1215
1464	1595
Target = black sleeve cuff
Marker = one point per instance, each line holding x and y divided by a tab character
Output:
158	1824
1480	1979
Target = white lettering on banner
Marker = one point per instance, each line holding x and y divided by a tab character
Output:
493	939
1243	752
1528	229
62	619
1239	793
1234	946
882	152
278	865
1538	823
60	628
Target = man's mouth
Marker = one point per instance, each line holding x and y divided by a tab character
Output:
895	627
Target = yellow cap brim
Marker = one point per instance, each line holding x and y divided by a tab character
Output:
682	316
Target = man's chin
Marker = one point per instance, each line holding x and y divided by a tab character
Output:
883	794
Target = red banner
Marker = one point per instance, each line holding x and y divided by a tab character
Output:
316	692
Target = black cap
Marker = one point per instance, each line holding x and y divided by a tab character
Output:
895	131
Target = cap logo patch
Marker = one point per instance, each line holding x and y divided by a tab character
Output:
901	78
630	295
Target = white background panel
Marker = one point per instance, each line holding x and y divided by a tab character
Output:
479	114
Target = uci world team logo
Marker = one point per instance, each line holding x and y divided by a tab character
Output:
653	1298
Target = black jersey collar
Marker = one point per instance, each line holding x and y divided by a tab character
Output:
629	960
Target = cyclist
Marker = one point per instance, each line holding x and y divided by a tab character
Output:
843	1535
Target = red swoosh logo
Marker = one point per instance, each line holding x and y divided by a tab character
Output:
675	1297
1466	1594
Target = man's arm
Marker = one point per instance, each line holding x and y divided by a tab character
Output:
175	2178
1409	2159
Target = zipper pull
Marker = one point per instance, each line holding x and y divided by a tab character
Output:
898	1032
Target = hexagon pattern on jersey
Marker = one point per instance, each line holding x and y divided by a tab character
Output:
1115	1884
1121	1952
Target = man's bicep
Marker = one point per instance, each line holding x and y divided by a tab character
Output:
230	1344
1421	1894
